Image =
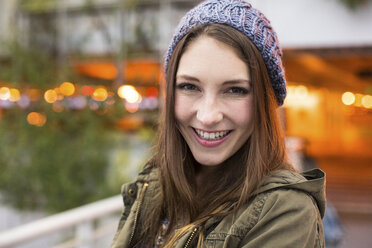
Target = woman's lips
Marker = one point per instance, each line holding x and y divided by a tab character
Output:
210	139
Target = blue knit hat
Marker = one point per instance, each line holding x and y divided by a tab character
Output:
240	15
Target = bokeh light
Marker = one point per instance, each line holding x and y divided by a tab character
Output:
77	102
4	93
131	107
300	91
50	96
348	98
15	95
24	101
5	104
129	93
36	119
367	101
152	92
67	89
100	94
149	103
87	90
300	97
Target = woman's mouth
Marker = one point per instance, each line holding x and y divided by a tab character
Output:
210	139
211	135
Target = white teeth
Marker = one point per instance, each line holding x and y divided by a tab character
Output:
211	136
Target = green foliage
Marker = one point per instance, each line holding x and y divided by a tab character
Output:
58	166
77	157
35	67
68	161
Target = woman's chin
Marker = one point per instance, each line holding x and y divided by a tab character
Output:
208	162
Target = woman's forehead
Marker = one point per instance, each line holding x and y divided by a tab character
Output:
206	58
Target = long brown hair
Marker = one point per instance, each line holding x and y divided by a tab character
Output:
237	178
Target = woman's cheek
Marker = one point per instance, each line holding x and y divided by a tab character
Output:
240	112
182	107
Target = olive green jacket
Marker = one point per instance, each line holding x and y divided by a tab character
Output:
285	211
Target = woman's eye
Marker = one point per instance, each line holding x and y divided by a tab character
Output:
237	91
187	86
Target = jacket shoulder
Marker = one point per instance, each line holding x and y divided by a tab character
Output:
311	183
283	200
287	218
281	217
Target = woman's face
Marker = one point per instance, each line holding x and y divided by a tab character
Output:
213	100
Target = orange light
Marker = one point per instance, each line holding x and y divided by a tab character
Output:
100	94
367	101
14	95
36	119
87	90
129	93
348	98
300	91
50	96
144	71
301	97
152	92
4	93
98	70
67	89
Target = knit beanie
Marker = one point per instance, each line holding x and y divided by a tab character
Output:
240	15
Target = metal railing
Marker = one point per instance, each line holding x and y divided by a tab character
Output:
81	218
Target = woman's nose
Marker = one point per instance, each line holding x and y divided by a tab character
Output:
208	112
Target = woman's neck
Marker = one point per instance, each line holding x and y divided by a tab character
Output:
204	174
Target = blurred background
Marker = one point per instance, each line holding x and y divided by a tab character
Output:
80	97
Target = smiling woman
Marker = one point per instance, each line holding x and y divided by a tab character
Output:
213	110
220	177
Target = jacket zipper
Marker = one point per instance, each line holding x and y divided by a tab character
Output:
188	242
137	212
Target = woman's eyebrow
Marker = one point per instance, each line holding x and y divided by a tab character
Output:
237	81
228	82
188	78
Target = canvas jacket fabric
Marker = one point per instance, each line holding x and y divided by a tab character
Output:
285	211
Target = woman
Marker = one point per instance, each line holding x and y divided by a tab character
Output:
220	177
